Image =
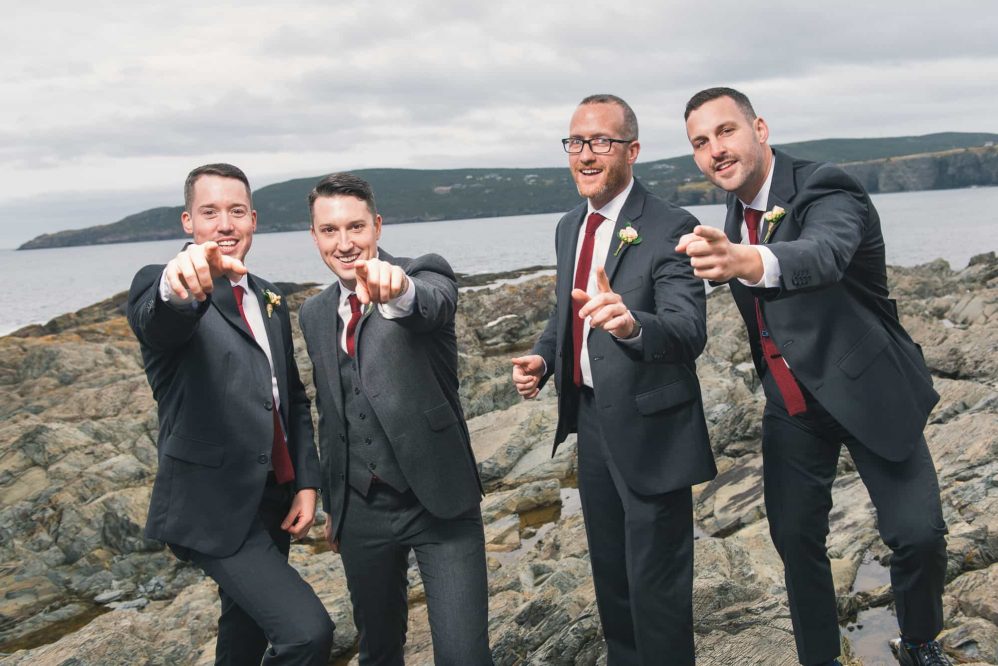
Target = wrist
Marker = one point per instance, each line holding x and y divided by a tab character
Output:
750	266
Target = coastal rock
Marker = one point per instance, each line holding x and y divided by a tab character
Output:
78	431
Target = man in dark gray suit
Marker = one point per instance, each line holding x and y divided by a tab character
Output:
621	343
398	472
836	365
238	471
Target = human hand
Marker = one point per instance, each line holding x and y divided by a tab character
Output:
527	373
302	513
378	281
714	257
606	310
192	271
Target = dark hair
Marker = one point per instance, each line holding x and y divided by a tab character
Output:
221	169
710	94
630	120
343	185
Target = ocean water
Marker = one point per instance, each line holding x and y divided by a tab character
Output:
38	285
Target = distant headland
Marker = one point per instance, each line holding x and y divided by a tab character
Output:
896	164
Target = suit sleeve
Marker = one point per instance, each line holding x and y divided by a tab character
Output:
436	294
157	324
833	216
676	331
547	344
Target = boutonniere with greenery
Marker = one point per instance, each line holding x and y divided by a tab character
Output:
772	219
628	236
273	301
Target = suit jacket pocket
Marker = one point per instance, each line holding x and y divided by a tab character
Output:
440	417
862	354
664	397
629	285
195	451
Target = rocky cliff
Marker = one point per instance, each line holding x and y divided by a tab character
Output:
77	456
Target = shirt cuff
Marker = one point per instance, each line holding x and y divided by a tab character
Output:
167	295
402	305
770	269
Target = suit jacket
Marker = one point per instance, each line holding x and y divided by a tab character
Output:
649	397
408	372
831	317
213	386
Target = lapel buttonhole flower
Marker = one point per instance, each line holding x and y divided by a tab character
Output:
628	236
273	301
772	219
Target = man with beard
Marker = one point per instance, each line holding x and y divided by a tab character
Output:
621	343
836	365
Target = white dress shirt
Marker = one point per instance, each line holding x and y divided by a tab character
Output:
402	305
770	264
601	248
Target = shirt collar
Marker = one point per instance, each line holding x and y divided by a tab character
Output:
762	197
243	282
611	210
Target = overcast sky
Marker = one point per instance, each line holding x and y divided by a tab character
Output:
107	105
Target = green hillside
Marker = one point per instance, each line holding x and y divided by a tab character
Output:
411	195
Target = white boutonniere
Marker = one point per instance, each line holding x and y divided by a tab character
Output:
772	218
273	301
628	236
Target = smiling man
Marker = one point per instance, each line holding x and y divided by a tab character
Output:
803	254
238	470
398	472
629	323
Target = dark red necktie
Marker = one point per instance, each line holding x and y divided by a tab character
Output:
352	324
284	471
793	399
581	282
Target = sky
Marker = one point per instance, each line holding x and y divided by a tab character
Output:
108	105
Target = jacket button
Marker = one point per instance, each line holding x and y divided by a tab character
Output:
372	466
342	438
362	416
262	459
367	440
269	405
356	391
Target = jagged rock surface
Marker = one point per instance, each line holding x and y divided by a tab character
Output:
77	457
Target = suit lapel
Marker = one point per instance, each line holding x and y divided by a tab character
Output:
275	338
566	263
327	327
733	220
225	303
782	190
630	212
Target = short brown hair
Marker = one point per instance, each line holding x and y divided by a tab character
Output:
220	169
630	120
345	185
710	94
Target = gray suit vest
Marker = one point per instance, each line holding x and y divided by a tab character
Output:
369	453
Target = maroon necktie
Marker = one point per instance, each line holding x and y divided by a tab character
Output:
284	471
793	399
352	324
581	282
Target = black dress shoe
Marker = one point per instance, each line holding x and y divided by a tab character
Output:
929	653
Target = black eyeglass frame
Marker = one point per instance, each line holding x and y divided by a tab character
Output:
582	143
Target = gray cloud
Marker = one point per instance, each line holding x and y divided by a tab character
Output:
130	97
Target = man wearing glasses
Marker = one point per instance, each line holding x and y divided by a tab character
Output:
622	342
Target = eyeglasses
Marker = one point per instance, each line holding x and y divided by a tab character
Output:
600	145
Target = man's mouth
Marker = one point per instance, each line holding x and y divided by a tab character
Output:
227	243
724	165
590	171
348	259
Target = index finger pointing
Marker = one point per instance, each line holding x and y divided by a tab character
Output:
602	281
709	233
